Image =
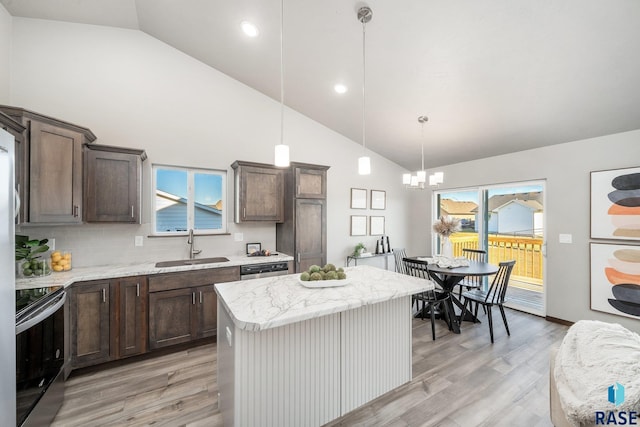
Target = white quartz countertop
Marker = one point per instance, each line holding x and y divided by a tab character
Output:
265	303
81	274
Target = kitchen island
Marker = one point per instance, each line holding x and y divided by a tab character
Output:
289	355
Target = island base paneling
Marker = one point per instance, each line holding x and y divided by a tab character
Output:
310	372
375	350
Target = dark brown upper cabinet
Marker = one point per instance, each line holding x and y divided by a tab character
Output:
49	167
310	182
259	192
113	183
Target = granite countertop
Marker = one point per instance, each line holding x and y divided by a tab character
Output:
81	274
269	302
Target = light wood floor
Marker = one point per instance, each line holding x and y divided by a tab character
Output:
459	380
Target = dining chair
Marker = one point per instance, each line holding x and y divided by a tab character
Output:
494	296
472	282
400	254
430	299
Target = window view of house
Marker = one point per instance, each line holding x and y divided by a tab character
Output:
188	199
507	222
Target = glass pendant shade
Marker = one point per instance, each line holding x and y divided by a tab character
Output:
422	176
432	180
439	177
364	165
406	178
414	180
282	155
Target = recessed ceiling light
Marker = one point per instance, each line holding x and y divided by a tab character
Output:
340	88
249	29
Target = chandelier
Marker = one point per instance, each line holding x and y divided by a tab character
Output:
419	180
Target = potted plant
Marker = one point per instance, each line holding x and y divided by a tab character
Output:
29	261
360	248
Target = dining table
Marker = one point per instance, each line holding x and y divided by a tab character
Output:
449	277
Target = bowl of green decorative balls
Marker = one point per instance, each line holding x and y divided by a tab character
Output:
323	277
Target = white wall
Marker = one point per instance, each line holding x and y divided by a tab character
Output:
132	90
5	54
566	169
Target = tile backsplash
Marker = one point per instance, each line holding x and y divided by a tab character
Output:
105	244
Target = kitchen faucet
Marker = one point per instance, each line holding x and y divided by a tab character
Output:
192	252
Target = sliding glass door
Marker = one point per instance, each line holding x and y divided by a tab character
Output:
508	222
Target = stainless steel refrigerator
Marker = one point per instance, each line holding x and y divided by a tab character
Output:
7	282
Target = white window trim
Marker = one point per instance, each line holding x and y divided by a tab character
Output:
190	200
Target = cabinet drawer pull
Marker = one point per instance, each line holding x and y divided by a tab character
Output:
298	257
132	211
75	211
137	289
193	298
104	295
244	213
200	297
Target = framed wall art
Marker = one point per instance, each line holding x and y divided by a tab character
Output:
358	198
615	279
615	204
358	225
376	225
378	199
253	247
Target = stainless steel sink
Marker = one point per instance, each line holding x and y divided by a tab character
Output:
180	262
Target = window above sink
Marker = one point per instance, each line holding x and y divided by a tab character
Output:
188	198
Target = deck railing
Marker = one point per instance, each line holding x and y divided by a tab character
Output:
527	251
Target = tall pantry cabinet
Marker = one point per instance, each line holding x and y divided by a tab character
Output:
303	234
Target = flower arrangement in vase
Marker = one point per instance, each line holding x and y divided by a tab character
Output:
445	227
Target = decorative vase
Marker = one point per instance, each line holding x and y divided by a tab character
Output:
445	247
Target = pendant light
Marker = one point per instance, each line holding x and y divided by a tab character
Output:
282	150
364	162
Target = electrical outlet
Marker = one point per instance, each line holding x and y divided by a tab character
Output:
239	237
138	241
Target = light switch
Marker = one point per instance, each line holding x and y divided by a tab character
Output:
566	238
239	237
139	241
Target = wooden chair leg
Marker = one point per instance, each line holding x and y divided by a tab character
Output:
433	320
504	318
490	322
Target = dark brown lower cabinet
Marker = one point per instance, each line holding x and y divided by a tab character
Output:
170	318
129	316
206	316
183	306
90	325
123	317
108	320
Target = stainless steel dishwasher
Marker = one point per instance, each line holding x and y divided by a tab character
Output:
268	269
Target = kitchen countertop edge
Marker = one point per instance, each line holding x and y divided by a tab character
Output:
83	274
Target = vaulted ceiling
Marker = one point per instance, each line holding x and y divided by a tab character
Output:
493	76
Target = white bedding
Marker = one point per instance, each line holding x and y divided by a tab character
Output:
593	356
